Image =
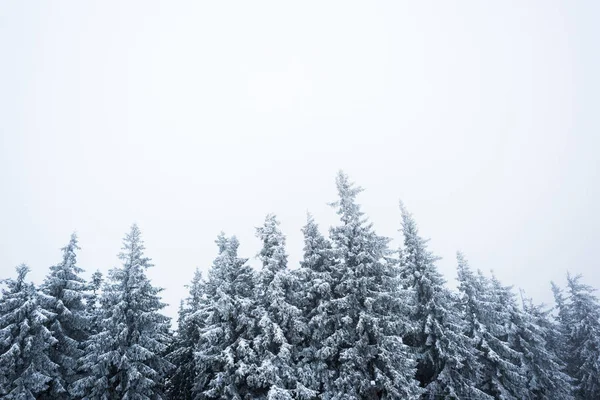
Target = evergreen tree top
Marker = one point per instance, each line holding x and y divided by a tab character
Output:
132	253
65	275
272	253
348	209
417	261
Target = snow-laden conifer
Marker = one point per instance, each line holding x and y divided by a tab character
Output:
446	361
26	370
92	302
365	355
489	326
579	314
317	277
65	292
125	359
183	377
226	360
280	321
545	372
558	337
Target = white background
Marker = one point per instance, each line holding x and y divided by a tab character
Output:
194	117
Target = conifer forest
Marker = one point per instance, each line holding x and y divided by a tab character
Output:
356	319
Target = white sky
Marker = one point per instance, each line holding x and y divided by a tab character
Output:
195	117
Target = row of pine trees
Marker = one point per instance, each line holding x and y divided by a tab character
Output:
356	320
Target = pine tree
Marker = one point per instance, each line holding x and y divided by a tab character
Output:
226	360
545	372
447	364
580	316
366	357
558	337
181	382
93	302
280	322
125	358
26	370
65	297
489	327
317	277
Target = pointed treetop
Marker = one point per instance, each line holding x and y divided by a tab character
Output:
272	253
409	226
133	239
222	242
462	260
22	271
133	247
196	289
345	187
311	228
69	249
347	191
270	233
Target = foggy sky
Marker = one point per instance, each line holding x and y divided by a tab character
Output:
194	117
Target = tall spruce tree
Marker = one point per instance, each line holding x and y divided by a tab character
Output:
226	360
447	364
181	382
579	314
366	357
488	325
65	297
544	378
92	302
26	370
280	321
317	276
558	338
545	371
125	359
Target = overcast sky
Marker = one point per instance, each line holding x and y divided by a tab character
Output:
194	117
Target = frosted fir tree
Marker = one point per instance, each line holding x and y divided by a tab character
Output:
279	319
92	302
580	316
125	359
226	360
65	292
26	370
545	372
446	361
318	278
181	382
365	355
558	338
544	378
489	326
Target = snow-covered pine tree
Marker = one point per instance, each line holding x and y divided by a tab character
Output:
93	302
544	378
489	326
226	361
365	355
446	361
317	278
558	338
65	292
580	312
181	382
125	358
280	321
545	372
26	370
